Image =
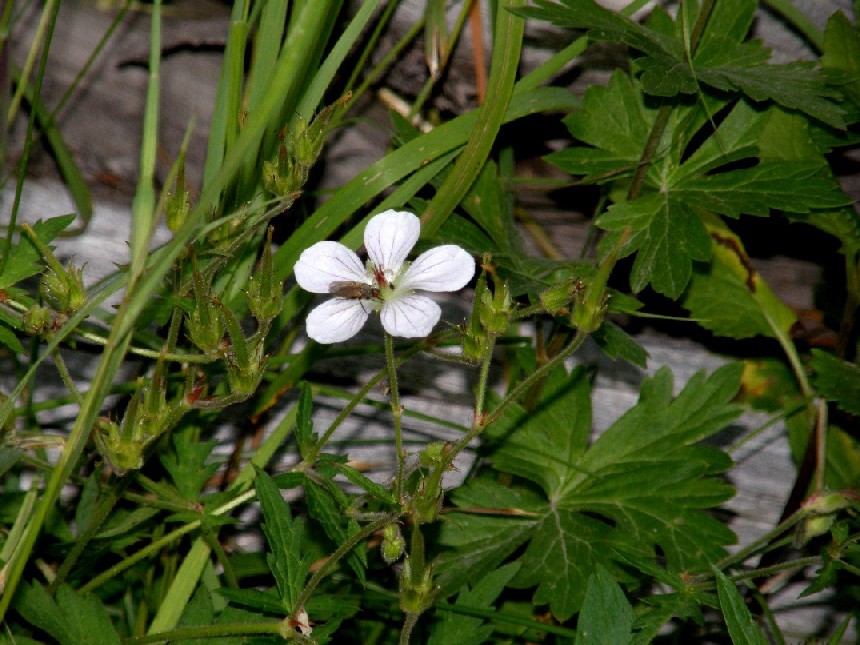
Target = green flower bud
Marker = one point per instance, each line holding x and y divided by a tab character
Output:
245	360
416	597
393	543
265	294
495	311
828	502
38	320
590	308
433	454
204	324
824	507
63	289
244	378
205	329
122	453
557	298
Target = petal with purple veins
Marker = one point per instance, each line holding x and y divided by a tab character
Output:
336	320
389	237
445	268
327	262
410	316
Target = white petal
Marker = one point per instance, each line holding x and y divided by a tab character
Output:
389	237
336	320
410	316
445	268
327	262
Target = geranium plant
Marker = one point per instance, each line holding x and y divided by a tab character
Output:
122	523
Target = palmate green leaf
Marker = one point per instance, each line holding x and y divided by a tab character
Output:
664	226
796	86
667	236
721	61
729	297
24	260
604	24
561	549
837	380
615	122
565	402
481	541
640	487
606	616
285	536
793	186
187	465
70	619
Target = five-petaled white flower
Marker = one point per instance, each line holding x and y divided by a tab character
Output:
386	283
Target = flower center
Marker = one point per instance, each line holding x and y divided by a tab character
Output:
386	281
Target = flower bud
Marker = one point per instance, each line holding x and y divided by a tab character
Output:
557	298
245	360
824	507
297	153
38	320
205	328
393	543
63	288
416	596
265	293
433	454
590	308
122	453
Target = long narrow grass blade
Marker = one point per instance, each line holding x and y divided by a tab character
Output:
503	70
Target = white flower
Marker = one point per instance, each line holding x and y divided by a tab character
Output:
386	283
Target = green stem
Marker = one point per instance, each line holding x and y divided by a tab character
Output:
852	301
777	568
66	377
408	625
416	555
756	545
521	388
397	411
359	398
209	632
478	421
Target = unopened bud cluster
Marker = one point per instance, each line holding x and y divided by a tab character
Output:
298	152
